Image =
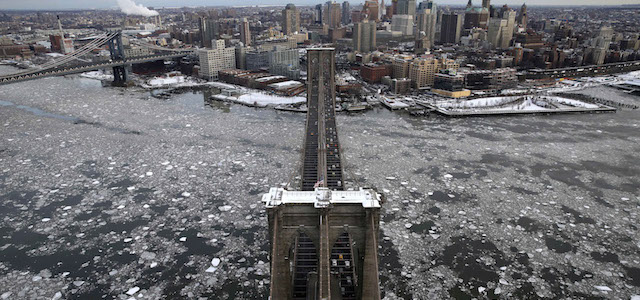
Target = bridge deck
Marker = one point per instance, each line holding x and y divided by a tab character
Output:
322	161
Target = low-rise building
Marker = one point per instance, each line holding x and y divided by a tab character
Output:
450	84
373	73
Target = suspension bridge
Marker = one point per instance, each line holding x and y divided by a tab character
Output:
324	237
120	63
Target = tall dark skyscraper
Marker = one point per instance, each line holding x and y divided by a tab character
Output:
209	30
451	28
346	13
319	15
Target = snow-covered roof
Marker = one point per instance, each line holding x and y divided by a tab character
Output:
269	78
286	84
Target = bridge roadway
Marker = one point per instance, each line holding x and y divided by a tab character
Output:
321	162
88	67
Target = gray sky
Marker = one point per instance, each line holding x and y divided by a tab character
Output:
87	4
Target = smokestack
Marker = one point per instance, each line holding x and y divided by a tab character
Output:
60	26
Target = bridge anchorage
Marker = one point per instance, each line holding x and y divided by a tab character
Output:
324	239
120	63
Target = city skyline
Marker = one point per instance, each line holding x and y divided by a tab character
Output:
86	4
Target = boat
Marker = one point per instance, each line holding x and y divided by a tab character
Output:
301	109
356	108
393	104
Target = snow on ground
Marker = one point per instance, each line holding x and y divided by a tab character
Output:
99	75
261	99
521	103
165	81
572	102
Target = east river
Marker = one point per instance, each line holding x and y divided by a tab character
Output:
111	193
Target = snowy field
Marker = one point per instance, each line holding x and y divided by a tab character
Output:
111	193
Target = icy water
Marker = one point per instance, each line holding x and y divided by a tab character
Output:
109	191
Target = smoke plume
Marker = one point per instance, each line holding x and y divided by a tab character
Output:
130	8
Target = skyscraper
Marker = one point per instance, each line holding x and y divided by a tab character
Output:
500	32
427	21
406	7
451	28
346	13
333	13
290	19
402	23
370	8
522	17
209	30
318	14
364	36
245	33
428	4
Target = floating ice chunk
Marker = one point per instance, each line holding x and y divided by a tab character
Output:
503	281
391	178
46	219
497	291
169	167
131	188
603	288
165	163
408	225
434	236
210	270
146	255
133	290
624	199
149	173
448	176
215	262
186	194
635	297
224	208
57	296
36	278
78	283
183	239
113	272
127	240
5	295
462	212
481	289
153	265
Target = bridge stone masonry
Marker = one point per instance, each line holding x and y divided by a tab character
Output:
324	239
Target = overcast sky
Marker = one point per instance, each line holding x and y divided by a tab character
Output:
87	4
